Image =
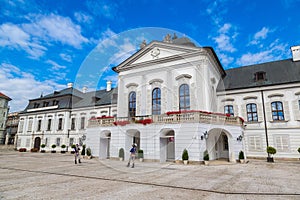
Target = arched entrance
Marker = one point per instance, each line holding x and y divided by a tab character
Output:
218	144
167	145
105	145
132	137
37	143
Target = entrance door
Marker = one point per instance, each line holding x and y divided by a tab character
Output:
170	149
37	143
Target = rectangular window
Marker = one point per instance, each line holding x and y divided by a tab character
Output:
30	125
73	124
49	125
60	124
299	104
39	125
225	142
21	126
282	143
82	123
45	104
228	109
58	142
254	143
252	112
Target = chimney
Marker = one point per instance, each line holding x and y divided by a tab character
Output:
84	89
295	53
108	86
69	85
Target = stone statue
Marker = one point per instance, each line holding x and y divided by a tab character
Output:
167	38
143	44
174	36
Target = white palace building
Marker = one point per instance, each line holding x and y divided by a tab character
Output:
171	96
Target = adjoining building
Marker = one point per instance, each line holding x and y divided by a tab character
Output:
4	109
62	117
11	128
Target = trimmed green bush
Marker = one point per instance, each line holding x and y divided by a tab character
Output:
63	146
241	155
53	146
185	155
271	150
140	153
205	155
299	149
121	153
88	151
43	145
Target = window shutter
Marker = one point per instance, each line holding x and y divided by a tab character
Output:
149	102
296	110
282	143
286	110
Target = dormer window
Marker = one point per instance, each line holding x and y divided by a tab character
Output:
55	102
260	76
45	104
36	105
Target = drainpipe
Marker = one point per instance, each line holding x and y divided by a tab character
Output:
265	120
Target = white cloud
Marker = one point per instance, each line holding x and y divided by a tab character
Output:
225	37
12	36
275	51
66	57
55	66
125	50
104	8
55	28
25	86
260	35
225	59
83	18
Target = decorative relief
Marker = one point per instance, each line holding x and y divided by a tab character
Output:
132	85
275	95
183	76
155	53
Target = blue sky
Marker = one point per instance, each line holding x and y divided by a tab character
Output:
45	44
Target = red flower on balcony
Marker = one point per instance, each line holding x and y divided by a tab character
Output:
105	117
144	121
121	123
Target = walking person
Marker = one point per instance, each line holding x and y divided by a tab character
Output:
77	156
132	155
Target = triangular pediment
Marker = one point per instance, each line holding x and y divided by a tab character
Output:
156	51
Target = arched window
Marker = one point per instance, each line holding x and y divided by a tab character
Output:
132	104
277	110
156	101
252	112
228	109
184	97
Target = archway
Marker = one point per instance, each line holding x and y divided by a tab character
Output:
105	137
37	143
132	137
167	145
218	144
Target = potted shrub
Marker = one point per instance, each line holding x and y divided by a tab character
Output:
185	156
83	150
241	157
206	157
299	151
89	153
53	148
34	150
43	148
63	148
121	154
272	151
73	147
141	155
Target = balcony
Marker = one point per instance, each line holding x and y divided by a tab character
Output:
170	118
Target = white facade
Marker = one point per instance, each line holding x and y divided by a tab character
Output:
164	140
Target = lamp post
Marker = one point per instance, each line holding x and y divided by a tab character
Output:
68	135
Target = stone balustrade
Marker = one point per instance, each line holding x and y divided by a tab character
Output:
170	118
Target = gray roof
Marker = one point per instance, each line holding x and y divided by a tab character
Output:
72	98
277	72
